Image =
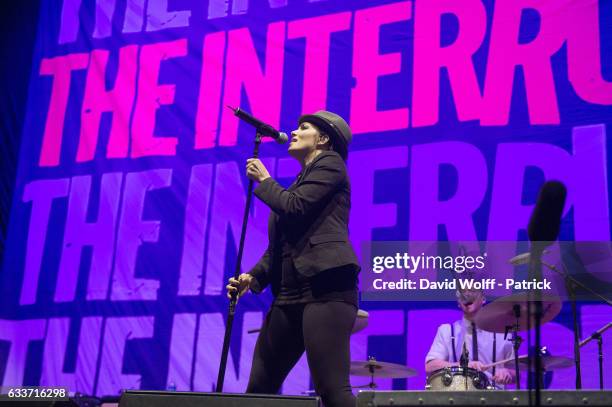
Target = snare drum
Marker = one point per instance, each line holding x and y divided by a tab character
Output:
455	378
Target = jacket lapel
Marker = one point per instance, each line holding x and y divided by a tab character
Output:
304	173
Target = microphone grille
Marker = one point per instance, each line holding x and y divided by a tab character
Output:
282	138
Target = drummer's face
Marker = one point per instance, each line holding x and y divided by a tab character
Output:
470	302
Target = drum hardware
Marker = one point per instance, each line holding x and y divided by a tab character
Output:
463	362
597	336
514	314
516	342
374	368
512	311
552	362
571	284
457	378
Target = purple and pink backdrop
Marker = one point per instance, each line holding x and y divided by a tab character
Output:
130	186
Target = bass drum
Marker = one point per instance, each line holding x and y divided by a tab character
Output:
455	378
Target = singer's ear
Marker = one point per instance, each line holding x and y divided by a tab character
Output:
324	139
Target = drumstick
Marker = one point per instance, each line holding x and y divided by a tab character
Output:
501	362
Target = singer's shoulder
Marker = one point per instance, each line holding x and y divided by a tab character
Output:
329	158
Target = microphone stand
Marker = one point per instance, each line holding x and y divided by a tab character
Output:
597	335
570	284
535	271
234	297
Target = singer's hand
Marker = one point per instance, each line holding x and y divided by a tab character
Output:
256	171
241	285
474	364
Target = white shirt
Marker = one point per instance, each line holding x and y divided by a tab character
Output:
441	348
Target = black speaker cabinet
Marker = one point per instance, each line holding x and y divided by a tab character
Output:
141	398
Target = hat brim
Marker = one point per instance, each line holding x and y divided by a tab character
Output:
338	141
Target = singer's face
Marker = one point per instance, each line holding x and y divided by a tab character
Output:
304	140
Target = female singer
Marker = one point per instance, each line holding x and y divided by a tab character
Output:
309	264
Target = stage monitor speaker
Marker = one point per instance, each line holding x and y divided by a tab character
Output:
550	398
141	398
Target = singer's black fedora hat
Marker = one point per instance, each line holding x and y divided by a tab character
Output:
334	126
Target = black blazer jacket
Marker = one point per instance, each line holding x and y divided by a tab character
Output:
309	220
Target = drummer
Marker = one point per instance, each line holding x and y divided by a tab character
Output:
483	347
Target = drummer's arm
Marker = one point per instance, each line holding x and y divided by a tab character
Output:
504	375
439	354
512	375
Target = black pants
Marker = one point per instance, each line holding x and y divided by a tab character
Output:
323	329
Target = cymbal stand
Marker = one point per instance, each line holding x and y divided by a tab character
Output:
597	335
571	284
516	341
372	385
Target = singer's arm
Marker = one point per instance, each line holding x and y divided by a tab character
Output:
325	177
260	273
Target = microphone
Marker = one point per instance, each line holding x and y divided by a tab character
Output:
545	219
262	128
464	358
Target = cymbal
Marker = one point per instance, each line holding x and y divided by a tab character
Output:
365	386
499	314
548	362
381	369
361	321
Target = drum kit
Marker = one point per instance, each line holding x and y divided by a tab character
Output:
510	314
506	314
